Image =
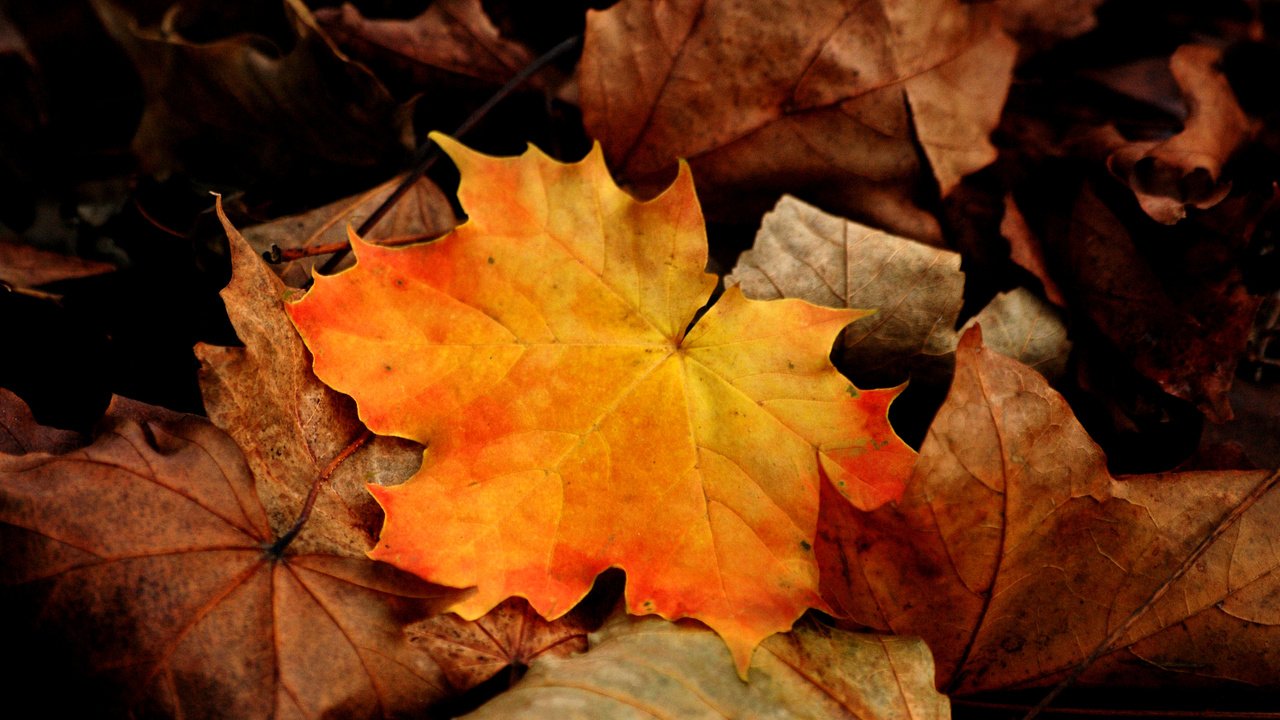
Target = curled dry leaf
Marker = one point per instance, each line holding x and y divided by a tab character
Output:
852	105
1185	170
449	38
152	549
1016	556
511	635
647	668
802	252
423	212
291	425
543	350
251	106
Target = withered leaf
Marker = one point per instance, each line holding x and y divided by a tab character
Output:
647	668
152	551
289	424
250	107
1169	176
422	213
847	104
511	635
24	266
449	38
20	433
1015	554
1182	326
803	252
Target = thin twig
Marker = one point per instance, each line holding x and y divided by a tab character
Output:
277	548
1187	563
428	152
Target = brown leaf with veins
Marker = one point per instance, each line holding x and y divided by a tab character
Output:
422	213
289	423
511	635
450	40
1169	176
640	668
856	106
152	551
20	433
918	290
1016	556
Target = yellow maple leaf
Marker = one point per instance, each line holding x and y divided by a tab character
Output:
574	419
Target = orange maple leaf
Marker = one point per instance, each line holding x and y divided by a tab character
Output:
575	420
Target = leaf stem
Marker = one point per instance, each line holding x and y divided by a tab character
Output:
1105	646
277	548
428	152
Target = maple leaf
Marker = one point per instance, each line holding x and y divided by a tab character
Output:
848	104
155	558
1019	559
802	252
540	351
651	668
288	423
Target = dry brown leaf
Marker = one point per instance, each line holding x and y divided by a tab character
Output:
646	668
1040	23
450	37
289	423
851	105
511	635
23	266
20	433
252	107
420	214
1026	250
1183	325
152	551
1016	555
1185	170
803	252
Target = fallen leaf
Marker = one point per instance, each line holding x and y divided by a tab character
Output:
252	108
1037	24
802	252
423	212
1185	170
289	424
20	433
650	668
1016	556
450	38
543	352
1183	323
511	635
24	266
1026	250
155	558
850	105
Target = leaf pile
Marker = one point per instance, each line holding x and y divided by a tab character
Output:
594	433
